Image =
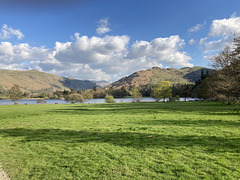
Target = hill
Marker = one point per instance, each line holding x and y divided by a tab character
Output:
101	83
155	75
33	80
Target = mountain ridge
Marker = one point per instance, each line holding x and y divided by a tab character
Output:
155	75
34	80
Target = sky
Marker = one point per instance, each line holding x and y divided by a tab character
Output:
106	39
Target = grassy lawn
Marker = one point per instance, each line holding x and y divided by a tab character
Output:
181	140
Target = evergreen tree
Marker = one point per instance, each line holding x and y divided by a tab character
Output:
95	87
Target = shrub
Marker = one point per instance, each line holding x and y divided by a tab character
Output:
74	98
177	98
41	101
172	99
109	99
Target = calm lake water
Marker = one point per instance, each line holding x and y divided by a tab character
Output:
92	101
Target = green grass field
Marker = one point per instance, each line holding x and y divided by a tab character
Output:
179	140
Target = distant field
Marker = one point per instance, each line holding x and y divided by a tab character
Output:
179	140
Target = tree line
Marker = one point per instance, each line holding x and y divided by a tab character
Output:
162	90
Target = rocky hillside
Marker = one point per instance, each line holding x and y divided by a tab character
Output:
155	75
36	81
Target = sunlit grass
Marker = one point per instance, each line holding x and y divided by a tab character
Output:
181	140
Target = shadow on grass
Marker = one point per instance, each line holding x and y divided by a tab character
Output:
193	123
126	139
204	108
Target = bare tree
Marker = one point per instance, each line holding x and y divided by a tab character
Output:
224	85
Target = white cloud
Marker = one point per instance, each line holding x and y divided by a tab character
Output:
220	35
113	57
100	58
196	28
213	46
86	72
15	66
161	51
191	41
103	26
225	27
7	33
94	50
19	53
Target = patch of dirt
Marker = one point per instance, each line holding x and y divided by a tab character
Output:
3	174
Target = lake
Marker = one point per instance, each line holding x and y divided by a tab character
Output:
92	101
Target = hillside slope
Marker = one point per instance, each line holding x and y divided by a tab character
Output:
35	81
155	75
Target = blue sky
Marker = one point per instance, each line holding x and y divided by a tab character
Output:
105	40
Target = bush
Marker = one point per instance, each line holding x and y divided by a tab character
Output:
109	99
41	101
74	98
177	98
172	99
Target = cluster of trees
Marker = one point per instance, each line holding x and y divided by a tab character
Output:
43	93
78	96
162	90
224	84
190	90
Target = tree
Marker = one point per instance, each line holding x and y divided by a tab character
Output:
43	95
99	93
74	98
177	98
224	85
95	87
109	99
2	91
65	92
119	93
163	90
57	94
186	92
15	93
72	91
87	94
136	95
26	94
